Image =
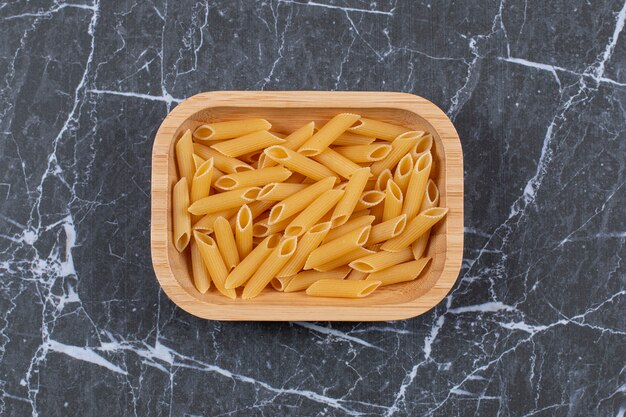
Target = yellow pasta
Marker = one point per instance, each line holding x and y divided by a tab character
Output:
293	142
252	262
214	263
352	139
243	231
393	201
251	158
201	182
298	201
181	219
353	191
247	143
277	191
199	272
399	147
355	275
431	199
369	199
387	230
226	242
205	224
222	162
402	173
415	228
231	129
378	129
197	160
215	174
224	201
263	228
279	283
381	181
309	242
381	260
299	163
365	153
184	156
417	186
342	288
336	162
343	260
313	213
338	247
424	145
328	134
269	268
352	224
258	177
407	271
304	279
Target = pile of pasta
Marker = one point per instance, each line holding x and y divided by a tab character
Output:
335	212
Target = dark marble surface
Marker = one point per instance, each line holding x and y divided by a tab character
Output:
535	325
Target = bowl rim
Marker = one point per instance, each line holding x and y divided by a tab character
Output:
159	236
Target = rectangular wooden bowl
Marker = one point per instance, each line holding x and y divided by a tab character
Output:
288	110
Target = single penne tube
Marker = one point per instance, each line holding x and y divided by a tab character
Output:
350	225
328	134
262	228
269	268
369	199
336	162
313	213
402	173
229	130
224	201
184	156
214	263
181	219
205	224
387	230
399	147
353	191
344	260
403	272
338	247
304	279
248	143
309	242
199	272
393	201
381	260
197	160
415	228
417	186
352	139
278	191
355	275
377	212
298	201
256	178
222	162
422	146
377	129
431	199
299	163
365	153
215	173
279	283
251	263
201	182
342	288
226	242
257	208
381	180
419	246
293	142
243	231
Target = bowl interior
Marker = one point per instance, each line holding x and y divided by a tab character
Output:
285	120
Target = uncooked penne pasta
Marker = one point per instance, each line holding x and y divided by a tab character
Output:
393	201
299	163
215	174
262	228
378	129
278	191
279	283
243	231
353	191
336	162
222	162
365	153
214	263
381	260
343	260
269	268
181	219
231	129
298	201
407	271
184	156
252	262
355	275
328	134
402	173
199	272
352	139
304	279
399	147
352	224
424	145
224	201
226	242
256	178
313	213
293	141
197	160
417	186
338	247
342	288
369	199
205	224
431	199
381	181
251	158
415	228
201	182
309	242
387	230
247	143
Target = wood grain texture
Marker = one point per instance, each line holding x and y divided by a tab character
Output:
288	111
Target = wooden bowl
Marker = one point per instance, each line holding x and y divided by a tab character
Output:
287	110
